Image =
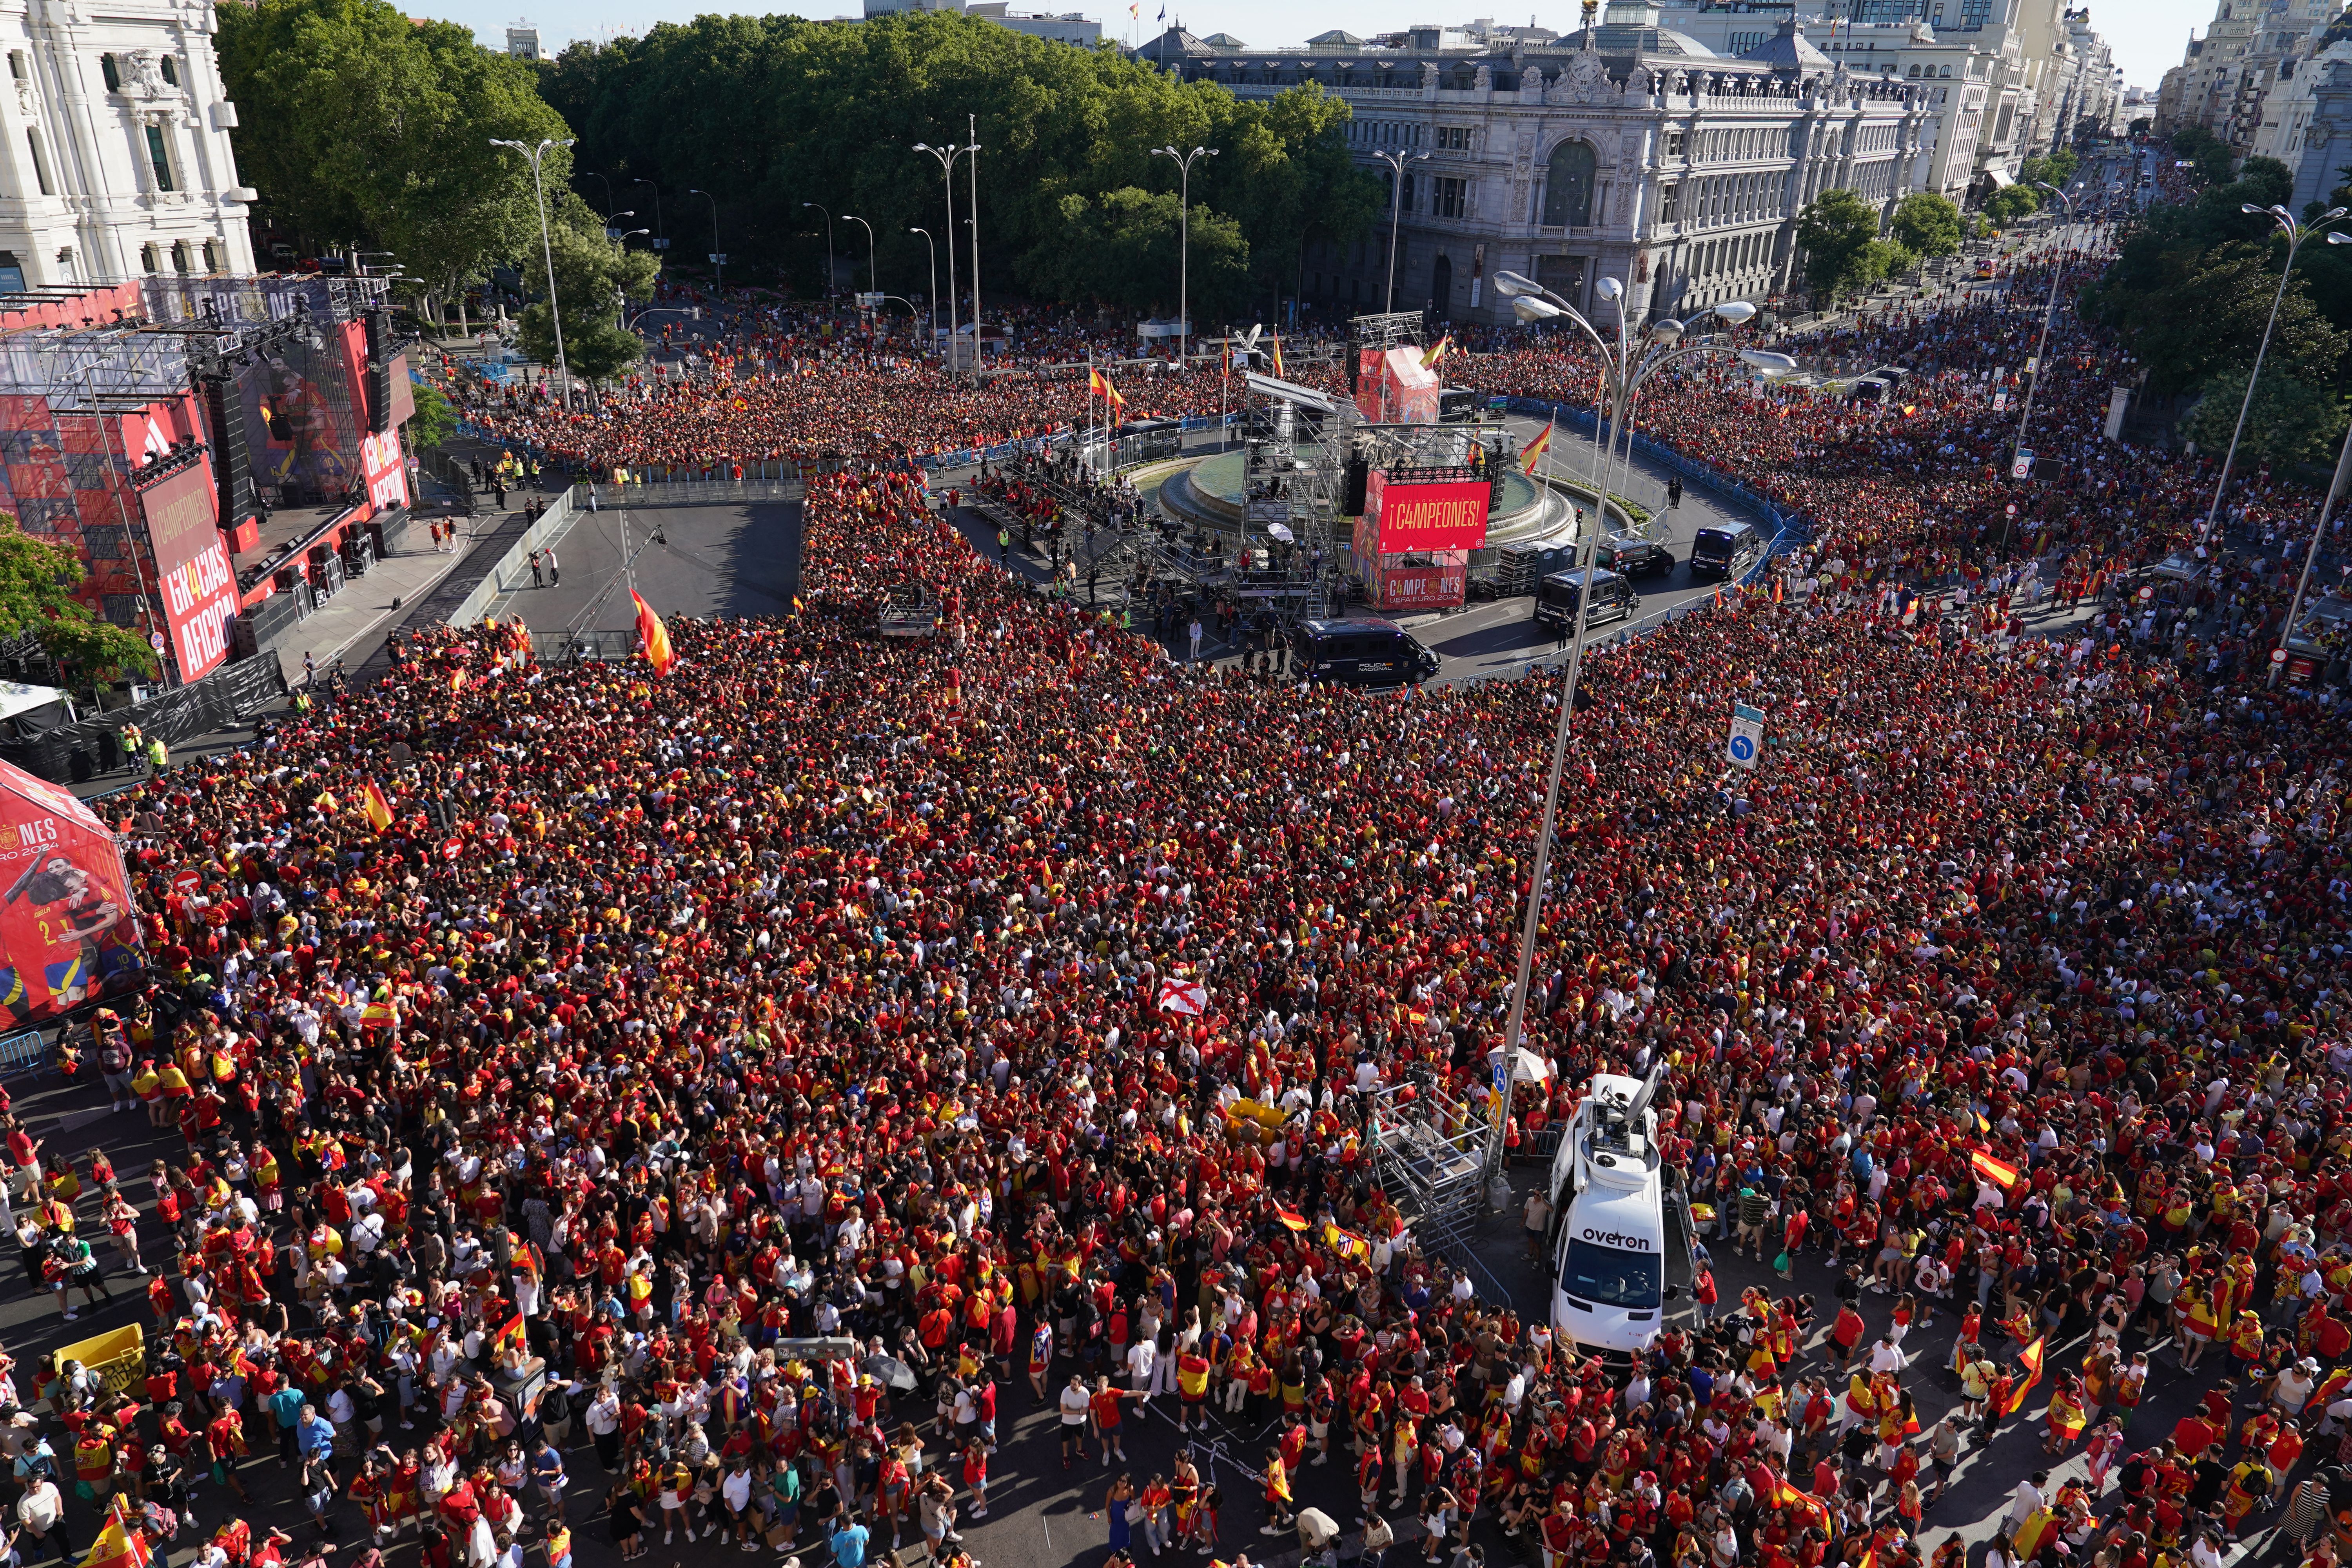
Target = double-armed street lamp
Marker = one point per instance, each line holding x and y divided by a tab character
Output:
1184	162
1624	366
547	246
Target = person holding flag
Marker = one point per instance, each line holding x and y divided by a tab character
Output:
378	809
653	635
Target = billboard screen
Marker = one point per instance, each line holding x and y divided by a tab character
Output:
67	934
301	431
180	516
1451	515
1422	587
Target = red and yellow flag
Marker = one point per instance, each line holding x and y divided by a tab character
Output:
1278	354
1443	345
656	636
1290	1217
1100	385
2033	1358
378	809
117	1547
1995	1170
1533	452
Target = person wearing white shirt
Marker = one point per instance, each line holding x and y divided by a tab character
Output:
1142	1356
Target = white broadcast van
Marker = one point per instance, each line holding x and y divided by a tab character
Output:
1621	1249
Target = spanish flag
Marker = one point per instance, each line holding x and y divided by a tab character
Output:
117	1547
659	653
2033	1358
510	1333
1786	1496
1290	1217
378	809
1991	1170
1438	353
456	681
1278	354
1100	385
1534	451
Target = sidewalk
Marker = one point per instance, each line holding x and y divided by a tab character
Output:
391	585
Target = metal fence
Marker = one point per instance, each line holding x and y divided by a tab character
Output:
229	695
745	491
580	648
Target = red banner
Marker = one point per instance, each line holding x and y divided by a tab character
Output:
1447	516
1422	587
199	599
180	516
67	934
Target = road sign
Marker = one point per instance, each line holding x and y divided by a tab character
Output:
2278	656
2021	467
1746	740
718	258
187	882
452	849
871	301
658	244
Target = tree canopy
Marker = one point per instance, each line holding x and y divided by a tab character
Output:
768	112
36	583
1928	223
1839	232
2289	421
595	278
362	127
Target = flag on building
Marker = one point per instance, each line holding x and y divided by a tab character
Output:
1533	453
378	809
656	636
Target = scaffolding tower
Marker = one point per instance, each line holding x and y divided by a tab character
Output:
1429	1153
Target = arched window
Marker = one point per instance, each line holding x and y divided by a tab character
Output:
1568	185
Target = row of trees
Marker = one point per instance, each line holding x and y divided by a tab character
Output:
769	113
2191	288
1845	251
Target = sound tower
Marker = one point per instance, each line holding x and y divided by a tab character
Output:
1352	484
379	372
232	467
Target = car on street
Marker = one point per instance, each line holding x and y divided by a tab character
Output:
1631	557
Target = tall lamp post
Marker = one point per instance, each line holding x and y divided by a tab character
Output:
2296	233
717	256
931	299
2318	529
660	234
947	156
2040	356
828	244
546	245
592	174
1184	162
971	174
1624	368
1396	162
872	277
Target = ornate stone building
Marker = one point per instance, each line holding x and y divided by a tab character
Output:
1624	149
114	146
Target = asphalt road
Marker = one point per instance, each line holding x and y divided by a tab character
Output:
686	561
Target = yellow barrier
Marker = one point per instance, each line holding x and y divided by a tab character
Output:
119	1356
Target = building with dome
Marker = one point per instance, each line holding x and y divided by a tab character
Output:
1624	149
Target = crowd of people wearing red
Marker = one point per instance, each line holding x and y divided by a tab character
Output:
659	1020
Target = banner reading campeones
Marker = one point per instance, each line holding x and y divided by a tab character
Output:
192	569
67	934
1451	515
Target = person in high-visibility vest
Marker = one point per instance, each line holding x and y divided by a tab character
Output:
159	760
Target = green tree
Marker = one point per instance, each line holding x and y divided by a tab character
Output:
1122	250
435	421
1928	223
1839	232
771	111
2196	314
36	583
2011	203
594	276
362	127
2290	420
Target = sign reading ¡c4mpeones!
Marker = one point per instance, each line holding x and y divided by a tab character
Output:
1450	515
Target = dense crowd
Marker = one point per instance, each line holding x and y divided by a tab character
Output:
819	987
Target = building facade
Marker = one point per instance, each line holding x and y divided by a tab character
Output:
114	153
1623	150
2251	50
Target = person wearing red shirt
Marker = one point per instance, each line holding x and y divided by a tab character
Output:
1102	1409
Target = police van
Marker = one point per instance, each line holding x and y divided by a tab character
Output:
1621	1247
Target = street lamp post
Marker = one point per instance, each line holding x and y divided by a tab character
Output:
828	244
1624	369
1396	162
717	256
947	156
872	277
546	246
2040	356
659	232
2318	529
1184	162
2296	233
931	299
592	174
971	172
